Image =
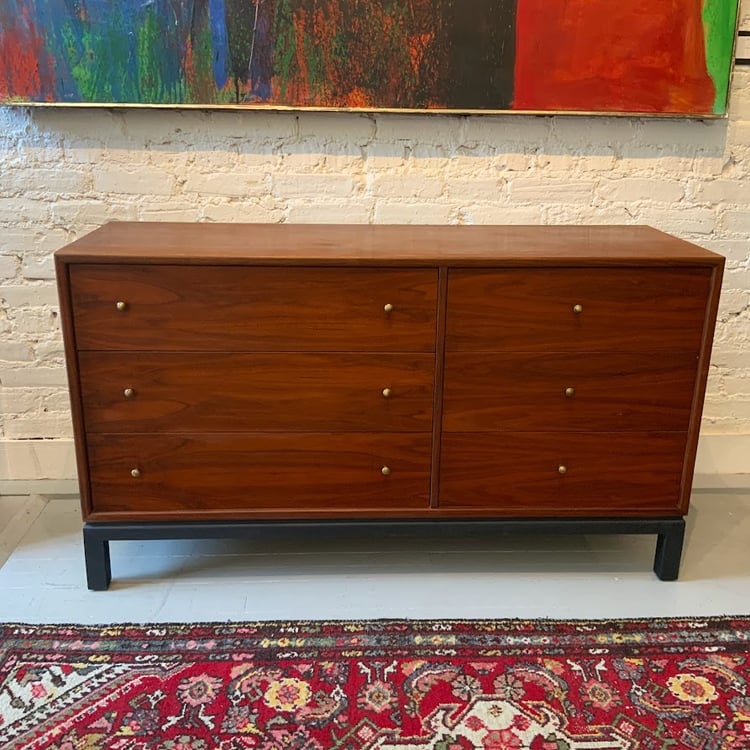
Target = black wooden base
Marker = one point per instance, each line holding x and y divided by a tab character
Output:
97	536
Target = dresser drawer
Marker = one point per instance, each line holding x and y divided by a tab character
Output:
606	474
202	474
577	309
231	308
552	392
220	392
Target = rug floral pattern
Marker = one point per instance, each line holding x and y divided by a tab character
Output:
381	685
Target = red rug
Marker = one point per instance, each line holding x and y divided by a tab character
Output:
385	685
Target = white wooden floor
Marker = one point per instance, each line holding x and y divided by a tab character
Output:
42	579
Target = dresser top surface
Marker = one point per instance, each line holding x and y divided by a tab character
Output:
406	245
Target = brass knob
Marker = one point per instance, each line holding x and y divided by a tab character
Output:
577	309
385	471
388	307
135	473
121	306
562	469
387	392
128	393
570	392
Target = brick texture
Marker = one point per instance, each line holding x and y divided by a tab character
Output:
66	171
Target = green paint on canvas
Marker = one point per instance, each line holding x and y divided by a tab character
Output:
286	48
159	79
148	62
719	21
85	68
99	62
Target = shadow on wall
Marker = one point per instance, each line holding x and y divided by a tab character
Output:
348	133
305	166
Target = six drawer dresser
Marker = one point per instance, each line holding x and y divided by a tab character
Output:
226	377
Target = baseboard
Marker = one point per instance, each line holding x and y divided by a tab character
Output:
49	466
723	462
45	467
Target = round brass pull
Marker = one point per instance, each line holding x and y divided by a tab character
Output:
385	471
135	473
570	392
577	309
128	393
388	307
387	392
121	306
562	469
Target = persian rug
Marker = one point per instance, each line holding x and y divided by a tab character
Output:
379	685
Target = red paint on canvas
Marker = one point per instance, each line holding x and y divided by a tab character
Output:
25	67
630	55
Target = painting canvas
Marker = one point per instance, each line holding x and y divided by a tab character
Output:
671	57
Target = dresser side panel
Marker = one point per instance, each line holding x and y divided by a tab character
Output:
704	361
74	383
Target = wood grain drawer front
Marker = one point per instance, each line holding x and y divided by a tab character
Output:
230	308
577	309
583	392
605	474
180	392
201	474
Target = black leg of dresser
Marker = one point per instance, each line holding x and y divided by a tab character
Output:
96	550
669	550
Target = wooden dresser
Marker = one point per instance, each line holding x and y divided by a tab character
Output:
223	376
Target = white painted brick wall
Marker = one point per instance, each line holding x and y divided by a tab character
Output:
8	266
631	190
139	181
62	173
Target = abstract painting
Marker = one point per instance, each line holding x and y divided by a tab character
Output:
671	57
